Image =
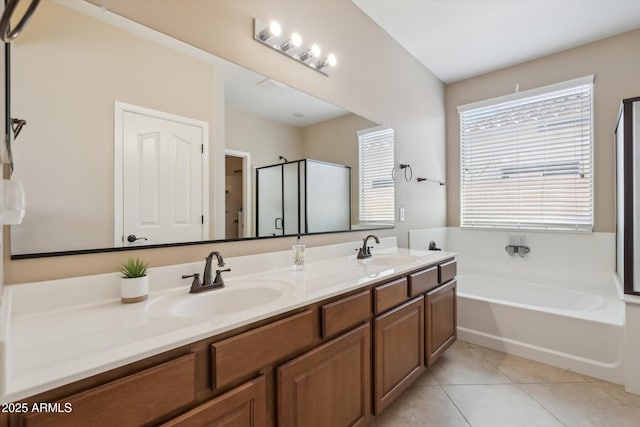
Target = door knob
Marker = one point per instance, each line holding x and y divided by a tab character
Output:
132	238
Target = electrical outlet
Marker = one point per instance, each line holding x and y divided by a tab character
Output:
401	214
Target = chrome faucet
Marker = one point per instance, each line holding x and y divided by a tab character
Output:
365	251
208	281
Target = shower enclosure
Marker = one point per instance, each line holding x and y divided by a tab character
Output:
627	136
303	196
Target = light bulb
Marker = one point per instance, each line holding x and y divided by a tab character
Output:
296	40
275	29
315	50
330	60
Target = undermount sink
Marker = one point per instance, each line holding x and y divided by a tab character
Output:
236	297
224	301
382	259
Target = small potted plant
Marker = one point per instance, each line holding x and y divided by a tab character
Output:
134	285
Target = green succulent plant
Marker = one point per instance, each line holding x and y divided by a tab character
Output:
134	268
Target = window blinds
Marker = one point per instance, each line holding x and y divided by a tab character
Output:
526	159
376	183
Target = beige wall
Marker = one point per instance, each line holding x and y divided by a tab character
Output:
616	65
67	71
265	139
375	78
336	141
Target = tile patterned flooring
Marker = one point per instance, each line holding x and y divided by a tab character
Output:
476	386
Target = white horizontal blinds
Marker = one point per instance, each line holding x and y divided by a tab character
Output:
527	162
376	183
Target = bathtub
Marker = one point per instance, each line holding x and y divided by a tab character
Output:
557	325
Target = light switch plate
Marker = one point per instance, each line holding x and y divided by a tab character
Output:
401	214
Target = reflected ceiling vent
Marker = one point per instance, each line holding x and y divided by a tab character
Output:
272	85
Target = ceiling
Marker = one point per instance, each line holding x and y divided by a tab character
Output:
458	39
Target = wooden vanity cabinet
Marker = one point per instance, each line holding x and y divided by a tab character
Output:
328	386
336	362
440	320
399	351
244	406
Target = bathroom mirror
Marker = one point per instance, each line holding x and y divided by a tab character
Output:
130	132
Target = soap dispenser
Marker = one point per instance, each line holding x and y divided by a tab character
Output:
298	255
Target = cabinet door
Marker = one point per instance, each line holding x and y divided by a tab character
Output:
328	386
440	320
244	406
399	351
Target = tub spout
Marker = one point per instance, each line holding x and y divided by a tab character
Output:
517	249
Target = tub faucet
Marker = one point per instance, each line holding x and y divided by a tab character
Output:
517	249
365	251
208	282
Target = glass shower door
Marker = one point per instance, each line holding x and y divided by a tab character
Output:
270	210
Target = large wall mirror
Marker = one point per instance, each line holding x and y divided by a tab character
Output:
135	139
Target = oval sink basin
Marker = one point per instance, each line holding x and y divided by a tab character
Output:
391	259
224	301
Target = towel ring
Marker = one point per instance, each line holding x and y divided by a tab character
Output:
406	167
8	35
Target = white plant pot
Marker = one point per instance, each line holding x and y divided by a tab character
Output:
134	289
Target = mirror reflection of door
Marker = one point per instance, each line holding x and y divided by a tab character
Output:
233	209
163	169
237	189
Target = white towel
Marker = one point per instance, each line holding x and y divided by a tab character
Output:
13	202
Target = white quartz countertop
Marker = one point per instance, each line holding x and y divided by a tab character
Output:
46	346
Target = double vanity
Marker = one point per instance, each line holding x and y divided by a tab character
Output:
333	344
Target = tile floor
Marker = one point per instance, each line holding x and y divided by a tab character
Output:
476	386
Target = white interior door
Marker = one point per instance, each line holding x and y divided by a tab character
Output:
162	179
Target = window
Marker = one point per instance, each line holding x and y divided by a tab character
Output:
526	159
376	183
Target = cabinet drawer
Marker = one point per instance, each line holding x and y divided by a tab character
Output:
245	405
248	352
447	271
390	295
134	400
423	281
345	313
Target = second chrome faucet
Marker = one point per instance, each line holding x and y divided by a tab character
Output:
208	281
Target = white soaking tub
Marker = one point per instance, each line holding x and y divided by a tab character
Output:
557	325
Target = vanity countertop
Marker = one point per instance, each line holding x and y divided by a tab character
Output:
49	345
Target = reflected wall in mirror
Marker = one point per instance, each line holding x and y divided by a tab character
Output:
70	72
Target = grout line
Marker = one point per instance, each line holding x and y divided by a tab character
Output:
540	403
456	406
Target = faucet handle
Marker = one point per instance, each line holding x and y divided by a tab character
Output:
196	279
222	270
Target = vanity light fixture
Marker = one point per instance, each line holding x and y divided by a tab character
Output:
271	35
